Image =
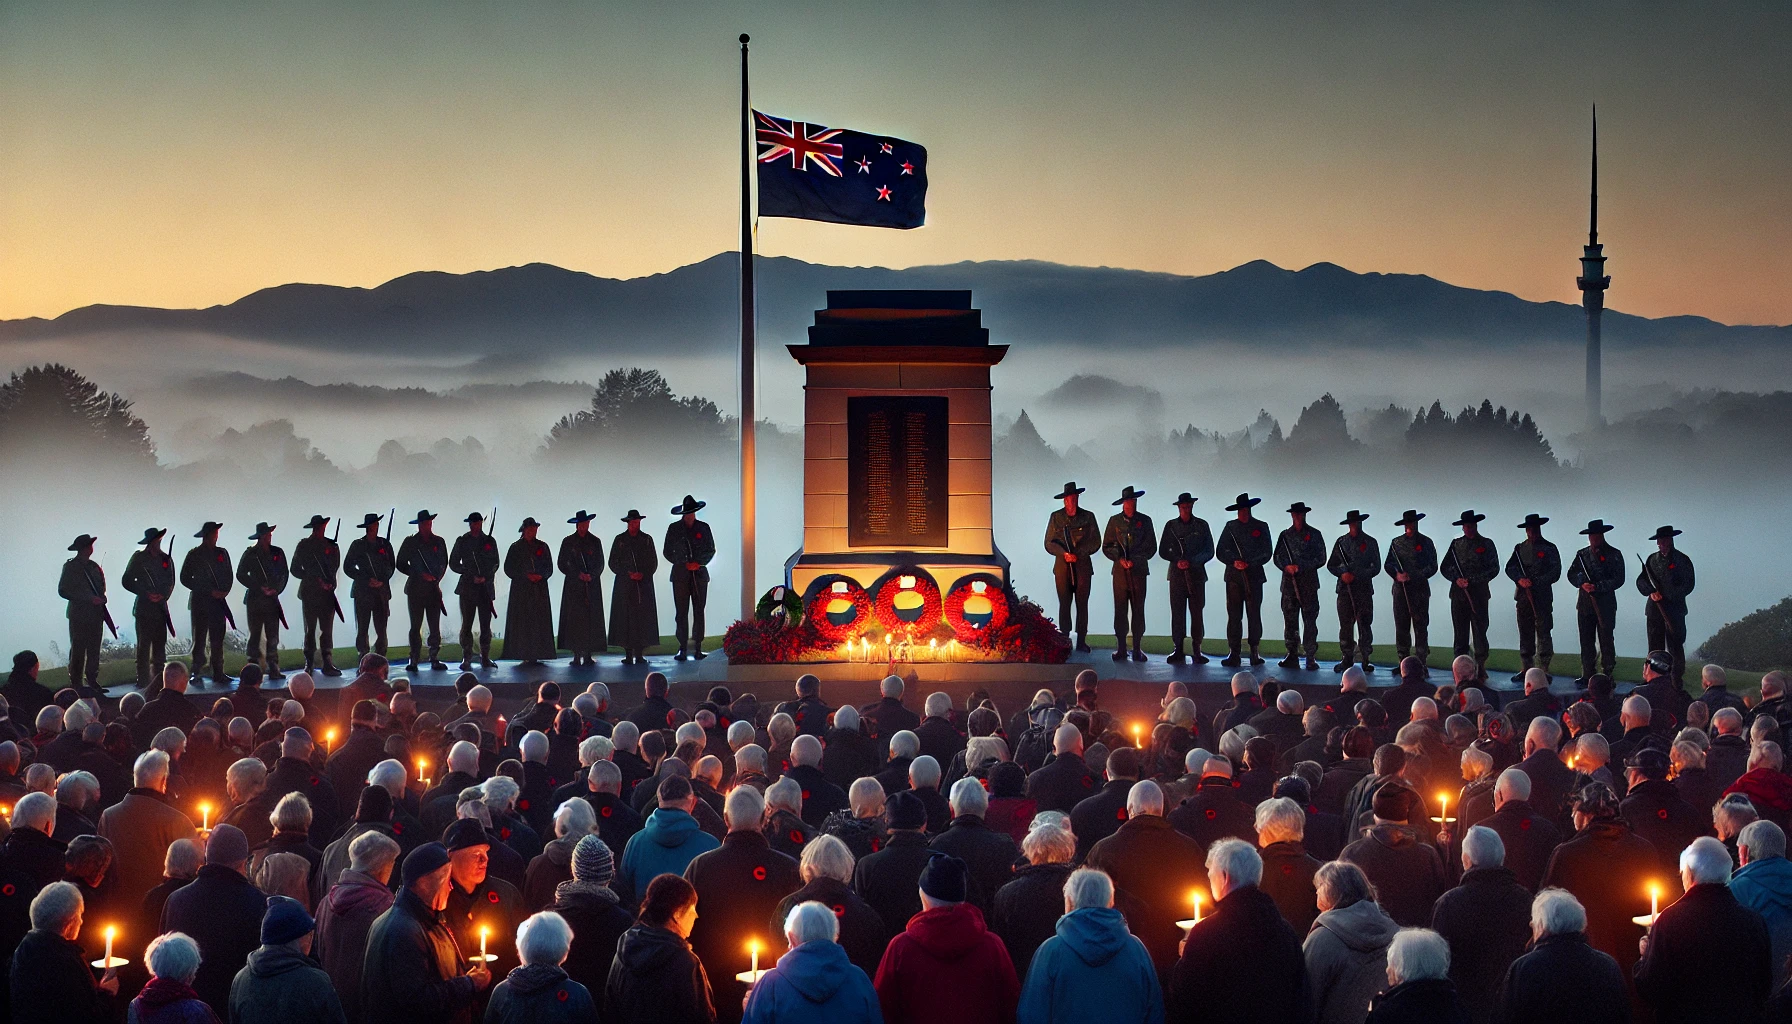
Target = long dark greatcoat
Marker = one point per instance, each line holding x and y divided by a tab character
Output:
582	627
634	618
529	618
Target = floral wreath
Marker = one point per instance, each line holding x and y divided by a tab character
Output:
953	609
815	609
883	607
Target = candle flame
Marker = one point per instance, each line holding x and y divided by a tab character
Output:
111	931
752	945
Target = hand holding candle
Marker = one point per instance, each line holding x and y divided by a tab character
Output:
483	957
1443	809
1654	907
1195	898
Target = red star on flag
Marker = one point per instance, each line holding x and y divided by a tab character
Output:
864	165
885	147
883	193
907	168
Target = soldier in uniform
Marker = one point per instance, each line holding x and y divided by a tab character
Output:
1356	558
1072	536
1245	545
423	558
83	586
205	572
1535	566
150	575
529	617
475	558
1187	546
689	544
634	616
1411	562
1129	542
262	572
581	595
315	561
1300	551
1470	564
1665	579
371	563
1597	572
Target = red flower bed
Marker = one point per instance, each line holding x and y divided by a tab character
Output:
1031	636
966	631
883	606
765	643
815	610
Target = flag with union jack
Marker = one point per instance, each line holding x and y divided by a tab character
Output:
811	172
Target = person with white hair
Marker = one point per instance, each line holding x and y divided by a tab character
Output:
294	773
1093	968
1634	718
849	751
990	855
1066	779
28	849
784	826
1766	784
51	979
1346	949
904	747
860	825
1485	919
172	959
1281	721
940	739
822	797
291	822
1551	781
1527	835
143	824
924	776
750	767
1419	985
1246	704
1562	979
1025	912
888	716
1706	957
1210	980
572	821
814	981
1763	883
827	870
538	991
360	893
1727	756
738	887
1154	867
1288	869
1215	812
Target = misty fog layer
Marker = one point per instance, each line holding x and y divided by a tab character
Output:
349	435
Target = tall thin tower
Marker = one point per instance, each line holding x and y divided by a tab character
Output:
1593	282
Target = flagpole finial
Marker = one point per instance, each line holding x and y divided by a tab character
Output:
743	39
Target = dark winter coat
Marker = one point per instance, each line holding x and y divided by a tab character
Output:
222	911
738	886
1154	868
1707	960
889	880
348	767
1563	980
344	918
1656	812
1552	782
1608	868
540	994
1027	910
788	834
1726	761
1529	837
820	797
1214	813
52	984
414	973
30	852
894	775
617	822
1062	784
940	739
279	985
946	965
989	854
547	871
888	717
849	755
1099	815
1337	782
1288	872
1487	922
657	978
597	921
1431	1001
142	827
1407	873
166	1001
862	931
291	775
863	836
1242	964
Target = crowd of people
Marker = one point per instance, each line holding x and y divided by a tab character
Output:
1411	853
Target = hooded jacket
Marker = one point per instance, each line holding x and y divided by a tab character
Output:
549	868
815	982
539	994
666	845
862	931
1765	887
1347	960
344	918
1407	874
280	985
947	966
1770	791
1092	969
656	977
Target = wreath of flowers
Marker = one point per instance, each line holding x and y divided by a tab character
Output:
883	607
815	610
752	642
1031	636
953	610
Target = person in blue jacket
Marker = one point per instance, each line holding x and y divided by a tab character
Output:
1093	969
666	845
814	982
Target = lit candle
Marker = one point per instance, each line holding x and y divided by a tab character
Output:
754	947
1443	808
1654	901
482	933
205	817
110	930
329	741
1137	731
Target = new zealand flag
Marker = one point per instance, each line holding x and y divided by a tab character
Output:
810	172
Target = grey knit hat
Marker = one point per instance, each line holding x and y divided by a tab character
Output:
592	861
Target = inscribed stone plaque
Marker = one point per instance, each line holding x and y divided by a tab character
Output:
896	493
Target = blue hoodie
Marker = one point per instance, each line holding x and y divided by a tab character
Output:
666	845
1765	887
814	982
1093	969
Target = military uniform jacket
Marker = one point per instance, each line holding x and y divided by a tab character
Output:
475	555
1301	546
82	580
1083	535
371	558
1416	556
1360	556
1672	573
149	572
696	543
581	554
1603	568
1472	559
1540	563
1245	541
204	570
1191	542
258	568
529	619
315	561
419	556
1134	539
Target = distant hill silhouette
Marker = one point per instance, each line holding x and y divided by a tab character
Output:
539	309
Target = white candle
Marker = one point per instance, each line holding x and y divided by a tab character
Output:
205	817
755	967
1654	901
109	931
482	932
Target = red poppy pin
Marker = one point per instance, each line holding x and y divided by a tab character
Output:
1120	815
1481	550
561	995
805	794
1525	825
398	828
796	837
504	834
839	910
1287	869
491	896
759	873
606	812
314	780
1256	533
876	845
8	889
1662	814
1212	814
522	805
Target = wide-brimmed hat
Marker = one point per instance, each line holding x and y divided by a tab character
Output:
633	516
262	529
1353	516
85	540
688	506
526	523
1070	488
209	527
582	517
1469	518
1244	501
1129	493
1533	521
371	519
1410	517
474	517
317	521
424	516
1598	526
152	534
1665	533
1298	508
1184	498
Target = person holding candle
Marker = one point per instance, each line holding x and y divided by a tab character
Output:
222	910
414	972
741	884
477	899
1243	962
1155	868
1609	868
1706	957
51	981
814	981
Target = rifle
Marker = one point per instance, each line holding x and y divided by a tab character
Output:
491	594
1243	574
263	566
1592	598
318	560
335	601
1467	592
105	611
1349	588
1188	574
167	616
211	573
1653	582
1400	564
634	566
1530	591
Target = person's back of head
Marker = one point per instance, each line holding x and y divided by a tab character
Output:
1354	681
937	705
1705	862
1760	840
1556	912
924	772
1390	760
808	685
786	795
666	896
1417	954
1067	740
1242	683
1482	847
534	747
1727	722
1280	820
1464	669
1513	784
183	859
744	810
891	687
969	798
1233	864
675	793
35	811
1359	743
805	751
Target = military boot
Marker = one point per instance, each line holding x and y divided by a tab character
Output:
1256	659
435	661
1292	661
330	668
485	657
1082	643
1312	663
466	660
1176	657
310	663
1524	663
411	666
1119	648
